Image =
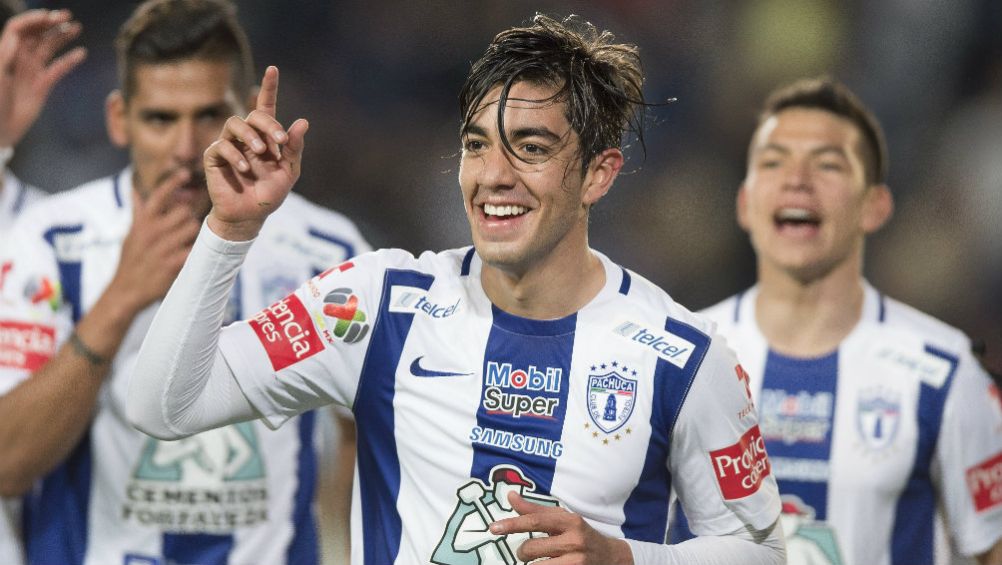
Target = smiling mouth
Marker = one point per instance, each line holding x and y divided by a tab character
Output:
503	212
796	218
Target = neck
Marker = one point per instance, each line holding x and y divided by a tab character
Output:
809	318
553	287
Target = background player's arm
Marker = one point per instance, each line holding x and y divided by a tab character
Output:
46	415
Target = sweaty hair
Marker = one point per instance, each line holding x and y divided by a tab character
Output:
9	9
827	94
171	31
598	80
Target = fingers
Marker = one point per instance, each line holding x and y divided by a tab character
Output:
160	199
62	67
267	98
293	150
56	38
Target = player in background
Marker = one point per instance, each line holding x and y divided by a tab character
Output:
88	268
29	68
28	71
527	366
881	425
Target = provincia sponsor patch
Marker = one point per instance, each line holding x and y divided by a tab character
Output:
741	468
985	483
287	332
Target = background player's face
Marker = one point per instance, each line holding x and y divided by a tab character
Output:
175	112
521	212
805	201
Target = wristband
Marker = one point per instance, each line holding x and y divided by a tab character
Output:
87	353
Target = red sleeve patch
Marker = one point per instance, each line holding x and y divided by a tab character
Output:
26	346
741	468
985	482
287	332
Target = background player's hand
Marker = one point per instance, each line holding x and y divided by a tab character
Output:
29	68
162	233
571	540
252	166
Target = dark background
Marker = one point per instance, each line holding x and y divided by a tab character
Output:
379	83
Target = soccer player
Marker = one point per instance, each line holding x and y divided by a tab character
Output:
878	420
527	353
28	71
87	269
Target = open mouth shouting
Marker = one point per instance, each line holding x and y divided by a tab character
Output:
798	222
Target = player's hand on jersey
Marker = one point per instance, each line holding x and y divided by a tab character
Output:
252	166
571	540
29	68
162	233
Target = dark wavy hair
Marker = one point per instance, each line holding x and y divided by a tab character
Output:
168	31
599	81
826	93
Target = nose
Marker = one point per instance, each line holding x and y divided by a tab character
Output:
497	171
798	175
186	148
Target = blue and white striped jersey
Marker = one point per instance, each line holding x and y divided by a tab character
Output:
458	402
14	197
880	442
238	495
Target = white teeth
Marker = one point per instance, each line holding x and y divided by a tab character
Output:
502	211
795	214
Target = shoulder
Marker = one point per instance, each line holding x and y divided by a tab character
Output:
655	305
313	230
71	209
931	331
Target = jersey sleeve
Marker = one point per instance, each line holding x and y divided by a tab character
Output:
308	349
720	469
34	317
969	458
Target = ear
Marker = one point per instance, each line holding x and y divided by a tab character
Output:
742	206
115	118
602	171
878	207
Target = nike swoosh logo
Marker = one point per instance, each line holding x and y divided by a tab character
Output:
418	371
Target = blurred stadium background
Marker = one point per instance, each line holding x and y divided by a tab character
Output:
379	82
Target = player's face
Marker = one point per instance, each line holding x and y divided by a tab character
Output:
175	112
805	201
524	211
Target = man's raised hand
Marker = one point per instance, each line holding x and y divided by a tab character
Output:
252	166
29	68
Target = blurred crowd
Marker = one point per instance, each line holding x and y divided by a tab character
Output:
378	82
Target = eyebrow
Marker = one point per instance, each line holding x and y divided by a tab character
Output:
817	151
520	133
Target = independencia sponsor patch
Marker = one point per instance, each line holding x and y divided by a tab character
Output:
26	346
985	483
287	333
740	468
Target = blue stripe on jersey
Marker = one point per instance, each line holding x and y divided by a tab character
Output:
303	550
197	549
737	306
349	249
912	536
56	513
21	192
378	462
467	261
646	509
69	271
524	359
624	287
116	190
796	411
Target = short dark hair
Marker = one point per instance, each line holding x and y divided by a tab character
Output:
168	31
600	81
9	9
826	93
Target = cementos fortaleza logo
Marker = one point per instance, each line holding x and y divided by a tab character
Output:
740	468
287	333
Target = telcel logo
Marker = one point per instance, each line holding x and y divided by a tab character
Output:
404	299
669	347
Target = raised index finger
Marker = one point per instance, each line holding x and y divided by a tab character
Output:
267	98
